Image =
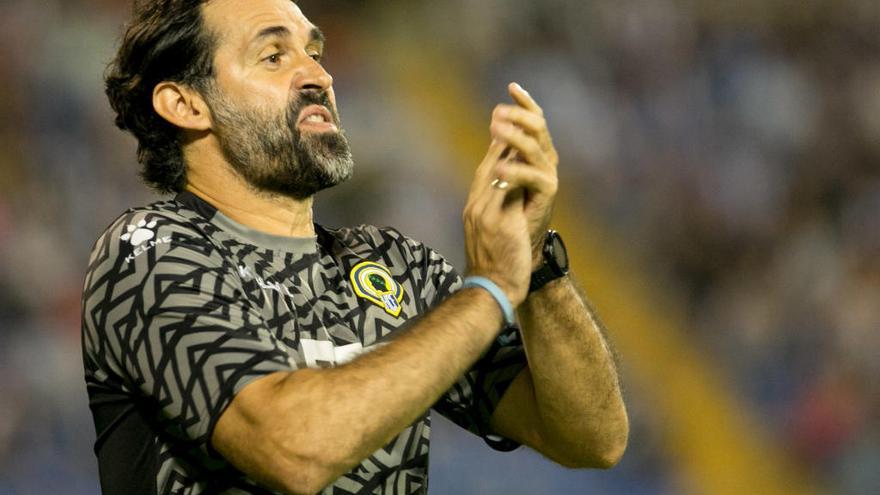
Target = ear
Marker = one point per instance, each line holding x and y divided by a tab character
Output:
182	106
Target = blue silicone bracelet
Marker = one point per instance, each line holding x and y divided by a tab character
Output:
497	293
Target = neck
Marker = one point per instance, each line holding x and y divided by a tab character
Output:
220	186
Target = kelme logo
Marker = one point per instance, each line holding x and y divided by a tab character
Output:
139	233
142	237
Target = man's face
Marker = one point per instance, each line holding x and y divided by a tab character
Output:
272	103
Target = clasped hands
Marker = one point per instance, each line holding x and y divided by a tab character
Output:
511	197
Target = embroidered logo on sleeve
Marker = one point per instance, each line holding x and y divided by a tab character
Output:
374	283
141	237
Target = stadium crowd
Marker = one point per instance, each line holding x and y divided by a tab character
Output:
733	147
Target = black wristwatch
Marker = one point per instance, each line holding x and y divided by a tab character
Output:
555	262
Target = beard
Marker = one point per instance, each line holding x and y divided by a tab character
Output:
272	155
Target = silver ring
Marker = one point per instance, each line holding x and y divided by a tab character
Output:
500	184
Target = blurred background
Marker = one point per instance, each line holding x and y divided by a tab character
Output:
720	195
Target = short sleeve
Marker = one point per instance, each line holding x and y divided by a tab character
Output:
166	318
471	402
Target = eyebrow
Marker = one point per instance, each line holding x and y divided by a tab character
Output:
315	35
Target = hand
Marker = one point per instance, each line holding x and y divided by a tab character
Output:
532	168
496	230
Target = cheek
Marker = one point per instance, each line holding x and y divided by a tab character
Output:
252	91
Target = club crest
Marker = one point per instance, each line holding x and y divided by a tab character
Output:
374	283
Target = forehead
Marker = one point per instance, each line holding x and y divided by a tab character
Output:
237	21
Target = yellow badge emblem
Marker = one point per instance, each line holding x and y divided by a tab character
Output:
374	283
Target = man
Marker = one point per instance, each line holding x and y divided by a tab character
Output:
233	346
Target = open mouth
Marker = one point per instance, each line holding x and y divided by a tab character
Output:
316	117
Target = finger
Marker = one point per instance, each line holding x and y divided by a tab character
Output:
486	206
528	120
523	98
482	176
497	193
488	179
486	186
493	155
527	146
531	179
501	201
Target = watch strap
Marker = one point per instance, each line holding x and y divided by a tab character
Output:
542	276
550	270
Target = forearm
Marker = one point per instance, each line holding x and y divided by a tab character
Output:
374	397
325	421
573	371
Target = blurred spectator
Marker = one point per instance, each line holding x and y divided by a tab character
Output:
734	145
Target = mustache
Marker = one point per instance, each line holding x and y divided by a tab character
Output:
310	97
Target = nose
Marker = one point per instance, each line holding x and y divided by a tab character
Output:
312	75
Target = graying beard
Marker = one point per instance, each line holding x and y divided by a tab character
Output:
275	147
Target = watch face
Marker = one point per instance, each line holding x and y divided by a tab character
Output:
559	253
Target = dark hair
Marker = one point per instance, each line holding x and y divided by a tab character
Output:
166	41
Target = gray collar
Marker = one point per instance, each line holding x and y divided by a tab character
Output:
297	245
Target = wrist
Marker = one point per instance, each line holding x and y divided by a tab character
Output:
553	262
538	253
537	260
490	287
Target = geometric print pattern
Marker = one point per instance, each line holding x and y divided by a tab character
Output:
182	308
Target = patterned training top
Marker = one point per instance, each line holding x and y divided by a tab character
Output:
183	307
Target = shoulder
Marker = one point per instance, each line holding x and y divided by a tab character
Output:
138	239
160	214
387	241
143	255
401	253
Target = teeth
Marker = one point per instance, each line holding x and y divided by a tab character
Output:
315	118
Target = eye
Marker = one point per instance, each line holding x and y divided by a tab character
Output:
315	56
274	59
